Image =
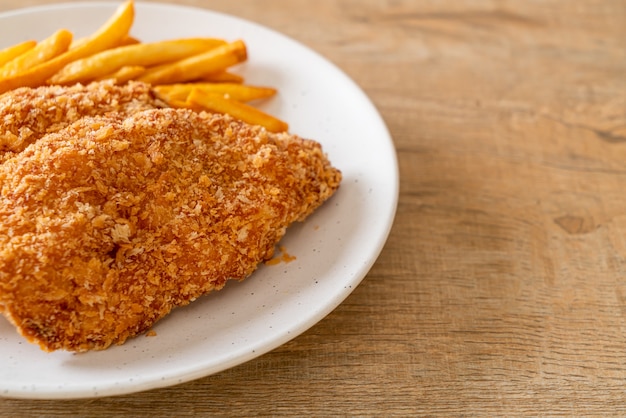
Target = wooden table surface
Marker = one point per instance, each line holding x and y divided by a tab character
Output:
502	287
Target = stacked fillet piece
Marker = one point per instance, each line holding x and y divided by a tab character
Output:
114	210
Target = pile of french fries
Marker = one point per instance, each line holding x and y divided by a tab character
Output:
185	73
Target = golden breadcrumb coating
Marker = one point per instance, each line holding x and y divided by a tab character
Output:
26	114
111	222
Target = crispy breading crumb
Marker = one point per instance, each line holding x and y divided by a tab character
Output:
282	257
26	114
111	222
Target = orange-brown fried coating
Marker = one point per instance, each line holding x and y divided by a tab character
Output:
110	223
26	114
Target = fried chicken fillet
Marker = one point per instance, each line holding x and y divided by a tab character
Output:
27	114
111	222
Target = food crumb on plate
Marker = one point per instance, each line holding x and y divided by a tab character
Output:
282	257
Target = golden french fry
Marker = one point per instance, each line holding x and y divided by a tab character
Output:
128	40
77	42
215	102
145	55
124	74
192	68
14	51
45	50
108	35
184	105
222	77
239	92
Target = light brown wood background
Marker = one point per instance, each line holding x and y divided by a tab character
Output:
502	288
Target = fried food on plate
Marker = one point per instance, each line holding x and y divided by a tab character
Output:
235	91
53	46
140	54
215	60
222	77
111	222
216	102
27	114
111	53
10	53
124	74
109	35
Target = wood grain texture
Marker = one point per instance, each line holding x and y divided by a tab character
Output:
502	288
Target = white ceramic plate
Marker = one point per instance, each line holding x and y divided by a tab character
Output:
335	247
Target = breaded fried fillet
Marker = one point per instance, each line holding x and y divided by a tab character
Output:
108	224
26	114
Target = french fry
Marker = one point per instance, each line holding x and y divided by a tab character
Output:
222	77
108	35
78	42
179	104
14	51
215	102
192	68
145	55
128	40
124	74
239	92
45	50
